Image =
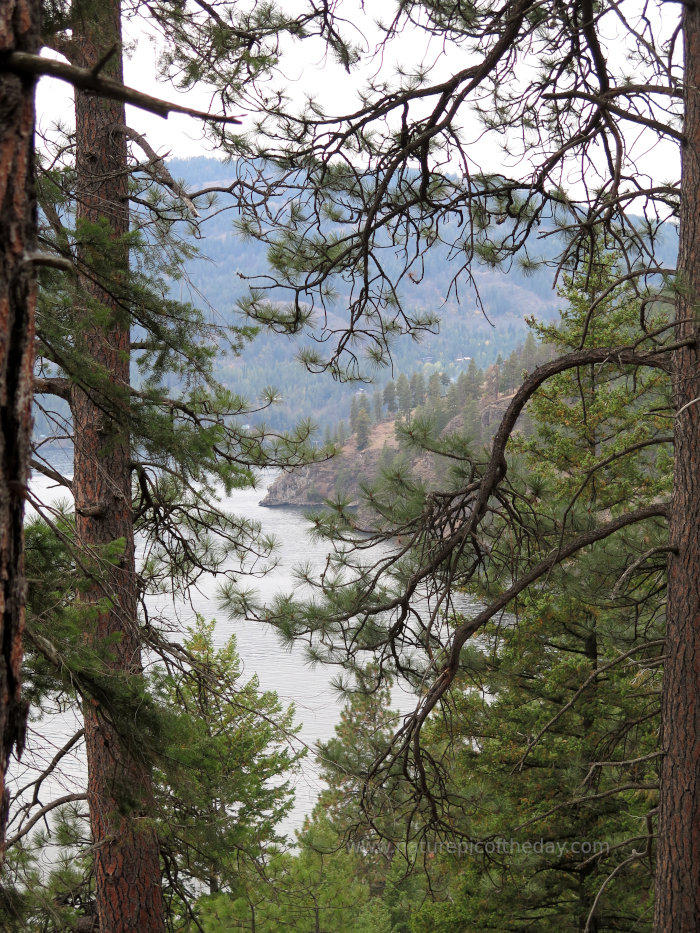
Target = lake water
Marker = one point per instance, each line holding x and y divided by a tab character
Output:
284	671
278	668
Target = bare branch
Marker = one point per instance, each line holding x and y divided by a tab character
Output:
158	169
54	385
46	470
59	802
23	63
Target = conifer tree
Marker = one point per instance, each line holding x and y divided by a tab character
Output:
363	428
390	397
403	395
341	873
472	420
104	297
434	394
19	32
363	403
127	869
224	784
552	188
452	405
474	379
417	389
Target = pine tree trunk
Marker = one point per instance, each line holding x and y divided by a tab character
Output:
19	30
678	847
127	871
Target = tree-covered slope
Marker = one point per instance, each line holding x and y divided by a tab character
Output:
478	322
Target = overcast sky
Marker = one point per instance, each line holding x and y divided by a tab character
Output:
307	70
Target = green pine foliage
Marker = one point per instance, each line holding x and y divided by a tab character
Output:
542	770
224	755
223	781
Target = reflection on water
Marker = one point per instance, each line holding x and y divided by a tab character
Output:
278	668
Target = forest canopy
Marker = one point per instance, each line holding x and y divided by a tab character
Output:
566	697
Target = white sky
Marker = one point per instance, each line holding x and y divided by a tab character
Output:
305	68
308	70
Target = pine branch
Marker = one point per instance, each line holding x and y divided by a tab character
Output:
24	63
158	169
410	732
56	385
51	474
67	798
61	753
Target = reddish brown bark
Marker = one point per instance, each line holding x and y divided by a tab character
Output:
127	871
19	30
678	848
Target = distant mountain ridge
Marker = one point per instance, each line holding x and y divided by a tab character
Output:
217	278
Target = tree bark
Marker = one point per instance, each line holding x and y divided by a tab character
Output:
19	31
127	870
678	848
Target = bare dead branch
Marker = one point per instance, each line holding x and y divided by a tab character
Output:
40	814
24	63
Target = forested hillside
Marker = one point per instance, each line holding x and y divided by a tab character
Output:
479	321
479	326
380	426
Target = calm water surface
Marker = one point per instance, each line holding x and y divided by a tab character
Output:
286	671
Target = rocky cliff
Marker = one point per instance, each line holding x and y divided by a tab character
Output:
341	476
338	477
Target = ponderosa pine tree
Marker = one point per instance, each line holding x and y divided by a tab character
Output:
403	395
559	742
126	861
363	426
177	445
389	396
225	782
19	31
336	879
417	389
547	84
